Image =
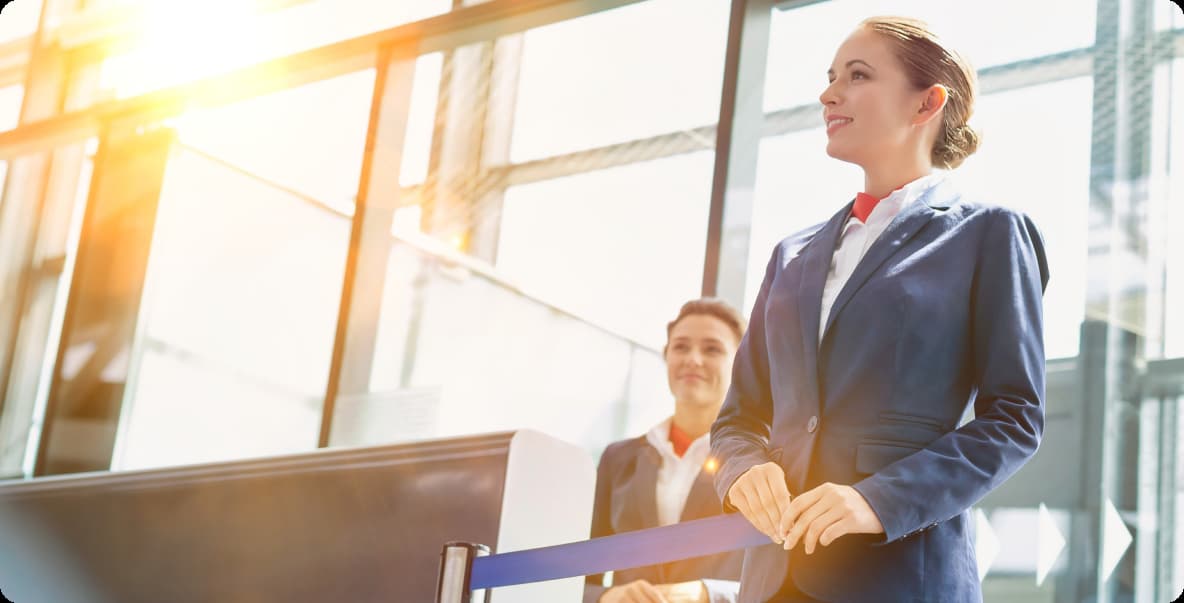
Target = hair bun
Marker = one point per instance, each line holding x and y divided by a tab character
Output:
958	143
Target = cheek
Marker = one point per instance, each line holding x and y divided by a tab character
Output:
723	373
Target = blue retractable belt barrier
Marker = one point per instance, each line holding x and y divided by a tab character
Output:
685	540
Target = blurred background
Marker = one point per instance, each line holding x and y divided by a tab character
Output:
242	228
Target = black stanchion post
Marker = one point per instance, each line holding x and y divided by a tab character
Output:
456	568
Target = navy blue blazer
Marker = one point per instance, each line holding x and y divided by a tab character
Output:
626	500
944	311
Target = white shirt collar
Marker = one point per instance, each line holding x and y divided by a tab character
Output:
659	438
890	206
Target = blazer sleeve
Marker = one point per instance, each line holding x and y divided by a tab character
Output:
601	518
740	434
958	469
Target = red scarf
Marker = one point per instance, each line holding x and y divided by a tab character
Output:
680	440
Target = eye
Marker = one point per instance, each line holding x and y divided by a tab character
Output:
680	347
858	75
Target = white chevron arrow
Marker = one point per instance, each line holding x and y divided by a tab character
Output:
1116	538
1049	543
986	544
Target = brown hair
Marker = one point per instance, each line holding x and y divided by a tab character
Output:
714	307
928	61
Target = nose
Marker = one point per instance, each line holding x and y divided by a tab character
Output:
829	96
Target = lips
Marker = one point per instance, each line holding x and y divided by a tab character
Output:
835	121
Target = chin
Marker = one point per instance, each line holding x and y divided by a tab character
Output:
702	400
840	154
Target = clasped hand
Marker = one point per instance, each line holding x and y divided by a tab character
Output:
813	518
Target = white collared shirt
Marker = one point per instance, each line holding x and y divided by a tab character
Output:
858	237
677	475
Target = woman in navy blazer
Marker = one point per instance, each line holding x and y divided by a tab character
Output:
660	479
871	335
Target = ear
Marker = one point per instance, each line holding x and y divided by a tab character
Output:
931	104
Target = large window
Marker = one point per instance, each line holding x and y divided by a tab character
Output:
580	154
621	246
610	78
240	302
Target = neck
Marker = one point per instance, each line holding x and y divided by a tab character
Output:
881	179
694	420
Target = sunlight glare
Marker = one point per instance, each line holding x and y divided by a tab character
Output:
184	41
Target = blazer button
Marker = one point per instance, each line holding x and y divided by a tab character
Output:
812	425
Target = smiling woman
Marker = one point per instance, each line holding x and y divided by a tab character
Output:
845	336
664	476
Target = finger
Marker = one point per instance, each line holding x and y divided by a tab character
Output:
632	592
802	522
807	517
649	592
740	498
742	501
799	504
836	530
776	480
615	594
757	508
768	506
820	524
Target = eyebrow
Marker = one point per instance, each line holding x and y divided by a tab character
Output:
684	338
850	63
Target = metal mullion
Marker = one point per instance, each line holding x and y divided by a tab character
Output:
738	135
369	244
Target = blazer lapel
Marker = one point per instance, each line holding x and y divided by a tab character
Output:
636	496
816	258
702	501
906	224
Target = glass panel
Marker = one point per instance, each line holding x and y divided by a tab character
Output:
35	347
237	320
10	113
622	247
602	79
803	40
1168	15
461	352
239	312
1174	285
308	140
425	92
10	106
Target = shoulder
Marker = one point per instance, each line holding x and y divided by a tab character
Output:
791	246
987	217
622	450
1000	231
